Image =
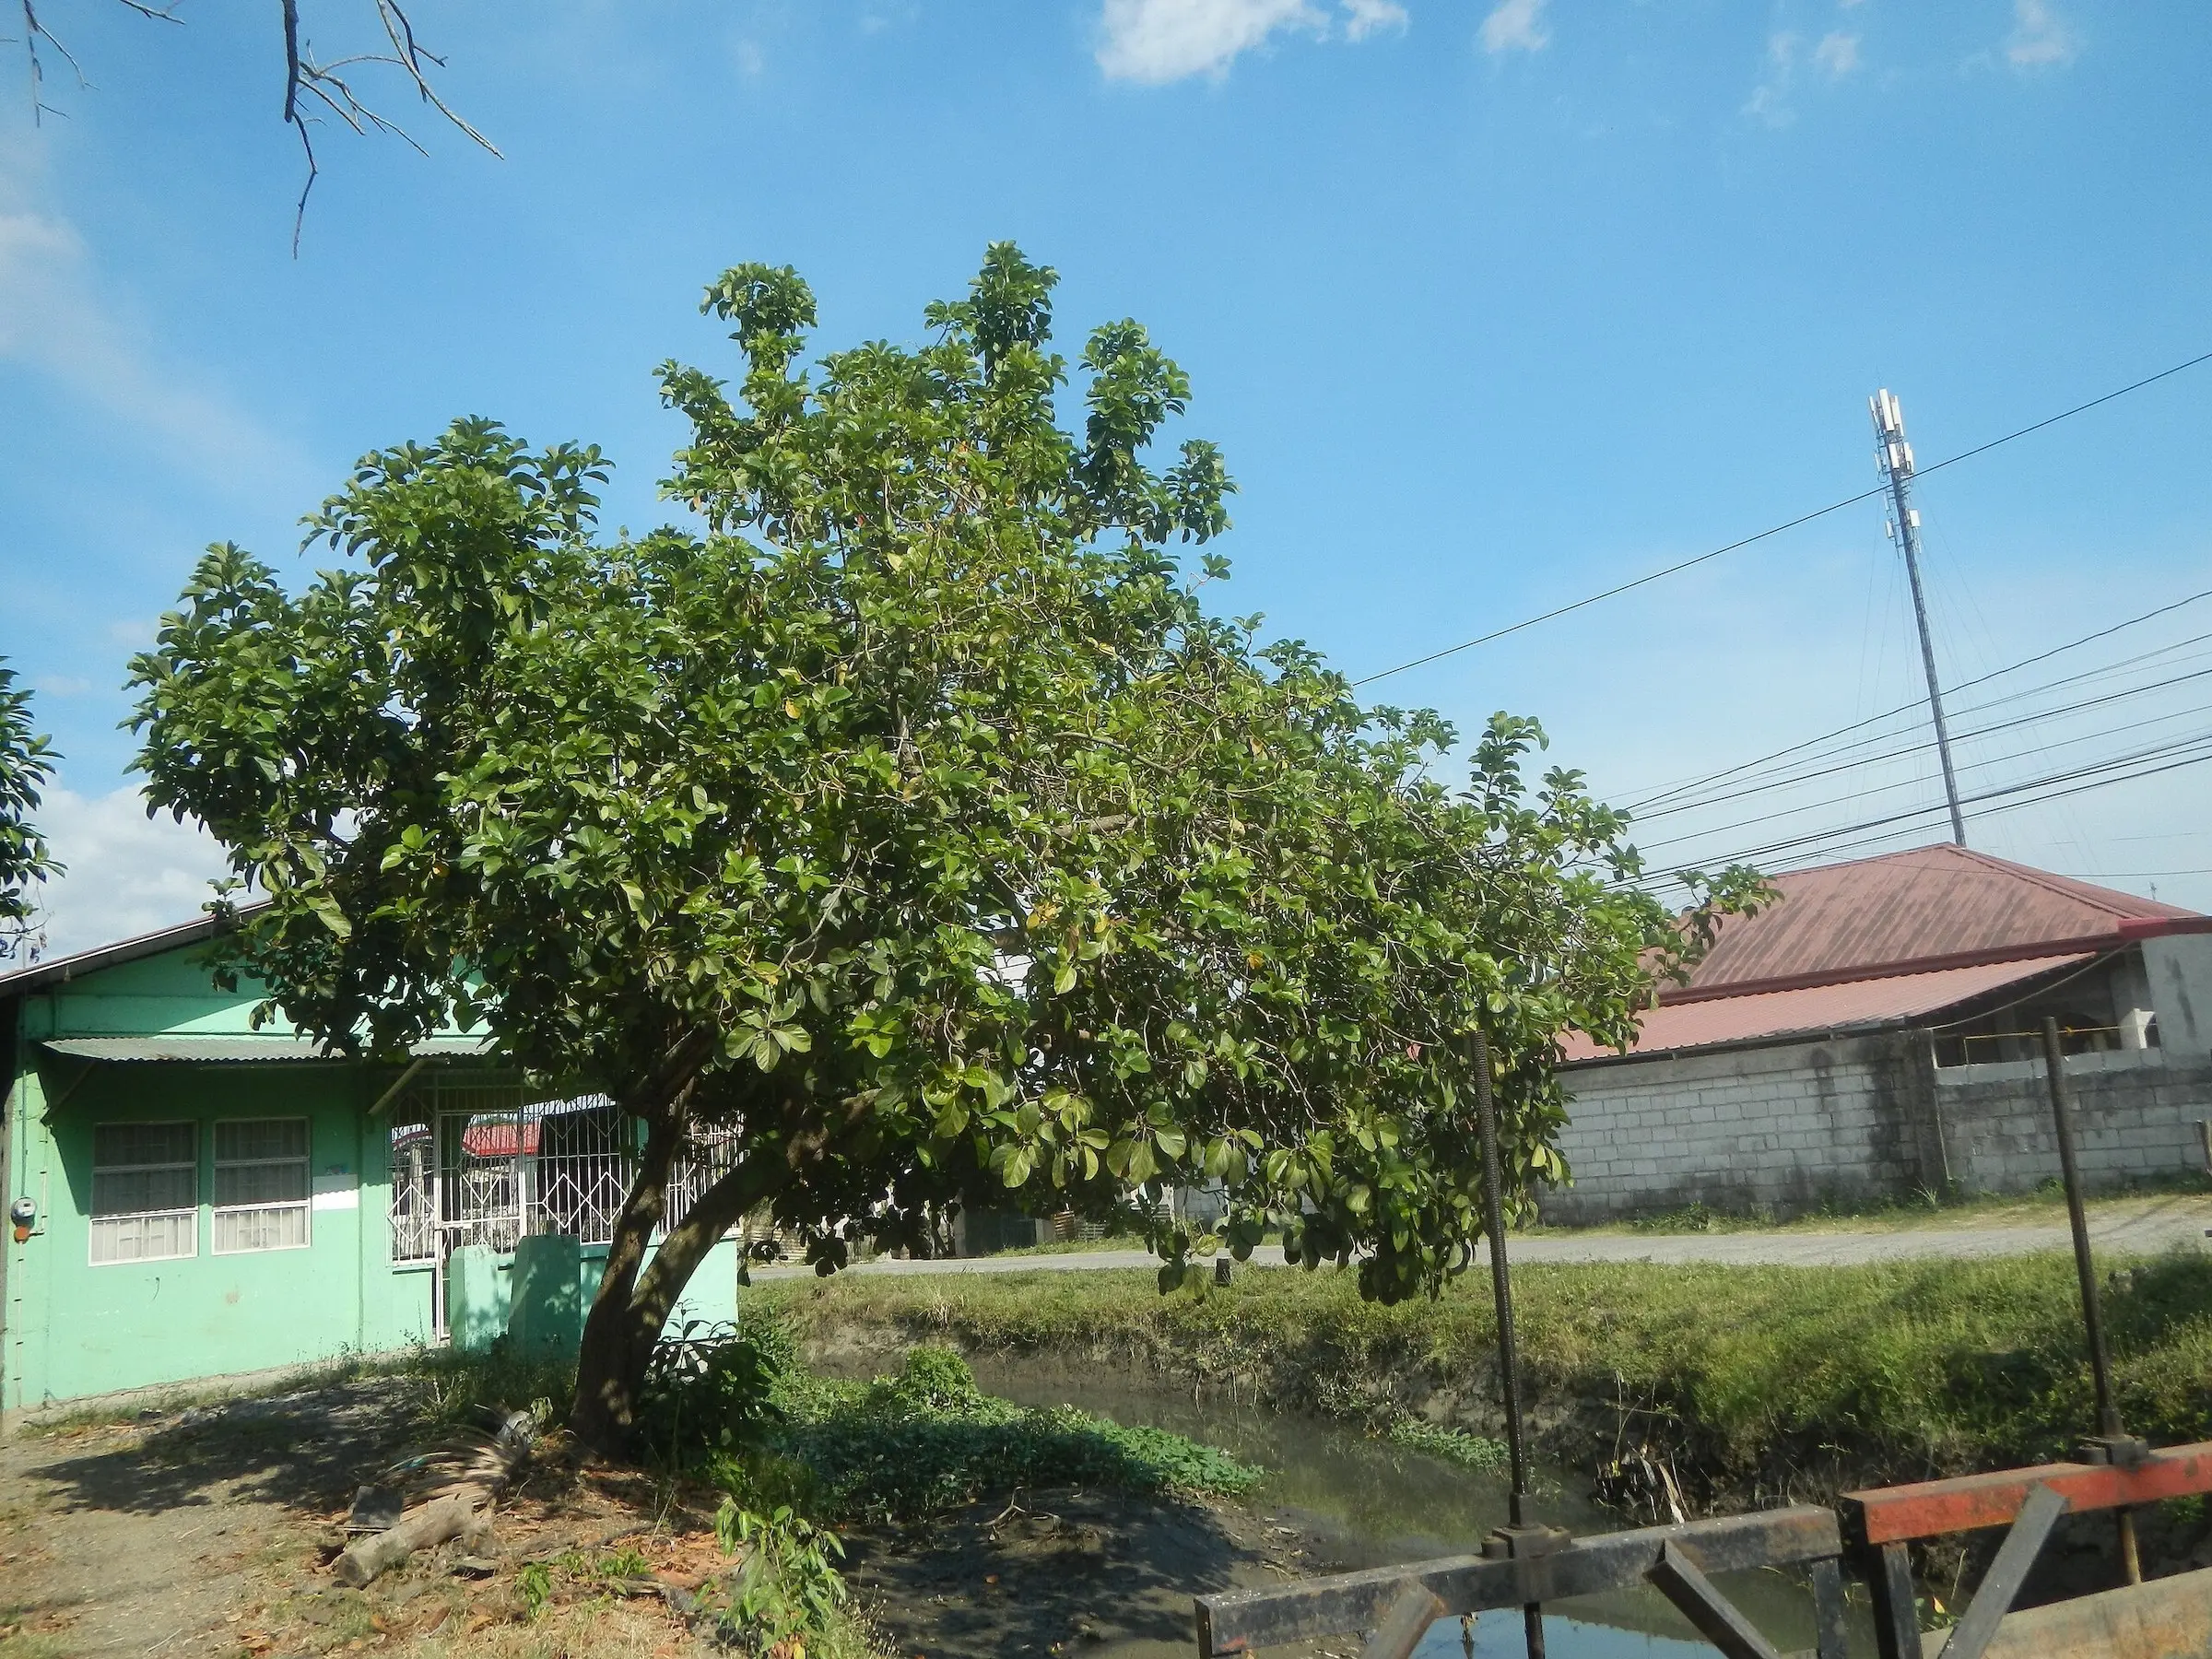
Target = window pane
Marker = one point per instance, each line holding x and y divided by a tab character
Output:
261	1137
261	1183
245	1229
145	1238
128	1192
142	1144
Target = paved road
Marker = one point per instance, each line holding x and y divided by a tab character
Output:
2145	1231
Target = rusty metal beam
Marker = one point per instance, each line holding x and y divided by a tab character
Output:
1993	1599
1714	1615
1407	1621
1832	1628
1931	1507
1243	1620
1889	1572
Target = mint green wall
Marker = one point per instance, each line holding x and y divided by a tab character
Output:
155	995
73	1328
539	1296
70	1329
78	1329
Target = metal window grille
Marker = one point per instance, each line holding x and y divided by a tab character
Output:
579	1157
260	1185
145	1192
477	1162
709	1156
414	1210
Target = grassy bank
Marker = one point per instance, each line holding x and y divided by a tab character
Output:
1751	1381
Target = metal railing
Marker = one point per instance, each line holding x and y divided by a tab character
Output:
1878	1527
1528	1565
1396	1605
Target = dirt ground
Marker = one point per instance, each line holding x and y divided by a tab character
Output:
211	1530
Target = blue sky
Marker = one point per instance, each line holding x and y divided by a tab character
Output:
1491	306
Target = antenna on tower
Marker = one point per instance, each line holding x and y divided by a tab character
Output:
1893	457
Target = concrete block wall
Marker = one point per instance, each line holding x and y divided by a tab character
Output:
2136	1117
1790	1127
1784	1128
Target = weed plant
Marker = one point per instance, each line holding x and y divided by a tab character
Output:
906	1446
797	1454
1449	1446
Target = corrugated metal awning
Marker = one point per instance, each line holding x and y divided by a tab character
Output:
229	1050
1815	1010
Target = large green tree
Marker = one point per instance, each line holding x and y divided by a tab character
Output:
26	765
914	819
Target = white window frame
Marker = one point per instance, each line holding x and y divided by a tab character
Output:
304	1203
191	1213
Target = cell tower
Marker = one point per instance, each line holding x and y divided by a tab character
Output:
1893	455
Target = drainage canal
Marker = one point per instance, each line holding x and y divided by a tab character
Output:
1340	1500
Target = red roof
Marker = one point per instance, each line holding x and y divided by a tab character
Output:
1815	1010
1905	912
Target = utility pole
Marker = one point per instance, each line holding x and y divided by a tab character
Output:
1893	455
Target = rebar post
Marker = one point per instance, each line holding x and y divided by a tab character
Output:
1501	1288
2085	1267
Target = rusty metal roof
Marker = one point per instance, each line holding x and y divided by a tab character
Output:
1818	1010
1932	907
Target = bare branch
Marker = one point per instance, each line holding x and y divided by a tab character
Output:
401	32
303	78
34	32
328	86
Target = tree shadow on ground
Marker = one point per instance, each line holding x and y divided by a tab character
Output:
304	1451
1062	1566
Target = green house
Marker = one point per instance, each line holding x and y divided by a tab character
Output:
191	1198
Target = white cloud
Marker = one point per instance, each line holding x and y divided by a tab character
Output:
54	321
1515	26
127	874
1367	15
1769	101
1838	52
2039	39
1156	42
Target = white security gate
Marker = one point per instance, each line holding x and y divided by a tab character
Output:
479	1163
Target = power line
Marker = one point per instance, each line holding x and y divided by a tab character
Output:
1864	495
1913	707
1793	780
1861	794
1821	844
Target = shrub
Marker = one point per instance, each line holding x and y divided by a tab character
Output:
714	1388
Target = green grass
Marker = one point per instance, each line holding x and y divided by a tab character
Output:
1076	1246
1762	1379
926	1439
449	1386
1919	1209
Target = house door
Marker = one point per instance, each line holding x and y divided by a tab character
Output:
482	1181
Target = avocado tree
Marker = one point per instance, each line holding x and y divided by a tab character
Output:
26	765
910	819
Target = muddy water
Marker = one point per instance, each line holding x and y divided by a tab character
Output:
1337	1500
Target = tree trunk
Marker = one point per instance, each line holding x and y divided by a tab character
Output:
686	1245
628	1314
610	1366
